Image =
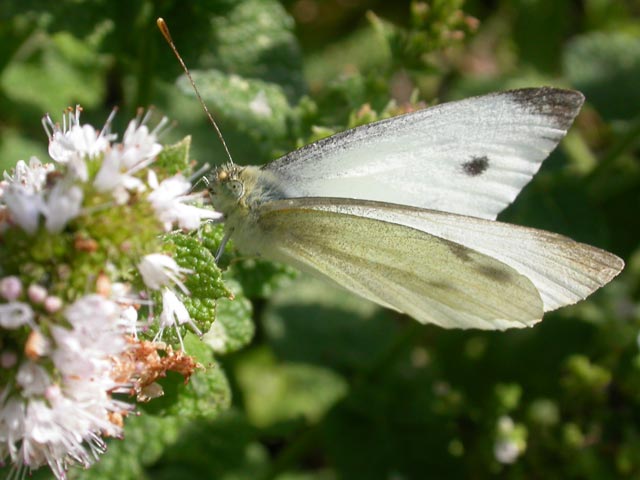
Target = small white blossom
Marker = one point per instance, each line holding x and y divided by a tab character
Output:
506	451
170	201
10	287
174	314
52	304
72	140
33	379
114	176
139	144
62	205
160	270
138	150
30	177
36	293
510	443
15	314
61	422
24	206
129	318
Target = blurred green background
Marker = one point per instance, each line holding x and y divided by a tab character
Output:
332	387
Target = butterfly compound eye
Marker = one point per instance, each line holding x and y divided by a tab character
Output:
236	188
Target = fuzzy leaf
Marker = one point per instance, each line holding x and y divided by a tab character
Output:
233	328
174	158
257	108
598	60
276	392
206	394
255	39
204	284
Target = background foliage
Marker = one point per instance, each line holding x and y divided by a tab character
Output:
331	386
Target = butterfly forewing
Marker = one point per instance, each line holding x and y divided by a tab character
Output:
470	157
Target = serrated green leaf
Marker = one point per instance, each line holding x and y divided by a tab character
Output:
276	392
205	283
174	158
255	39
233	328
606	68
257	108
206	394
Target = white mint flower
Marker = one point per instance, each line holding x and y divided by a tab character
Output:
174	314
37	293
96	334
30	177
114	176
33	379
26	201
63	204
10	287
139	148
62	422
507	447
170	201
160	270
24	207
15	314
139	145
73	140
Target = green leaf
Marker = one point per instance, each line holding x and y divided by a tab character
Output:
606	68
313	322
233	328
257	108
174	158
256	39
206	394
278	392
61	71
204	283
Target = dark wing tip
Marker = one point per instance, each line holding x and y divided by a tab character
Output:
561	104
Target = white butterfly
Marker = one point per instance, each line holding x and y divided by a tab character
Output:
402	212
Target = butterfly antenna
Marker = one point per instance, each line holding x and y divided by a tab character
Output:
167	36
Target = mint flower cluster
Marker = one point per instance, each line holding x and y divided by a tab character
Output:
91	292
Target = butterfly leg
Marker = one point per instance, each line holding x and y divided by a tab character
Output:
223	244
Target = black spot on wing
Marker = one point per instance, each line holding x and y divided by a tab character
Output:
476	166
